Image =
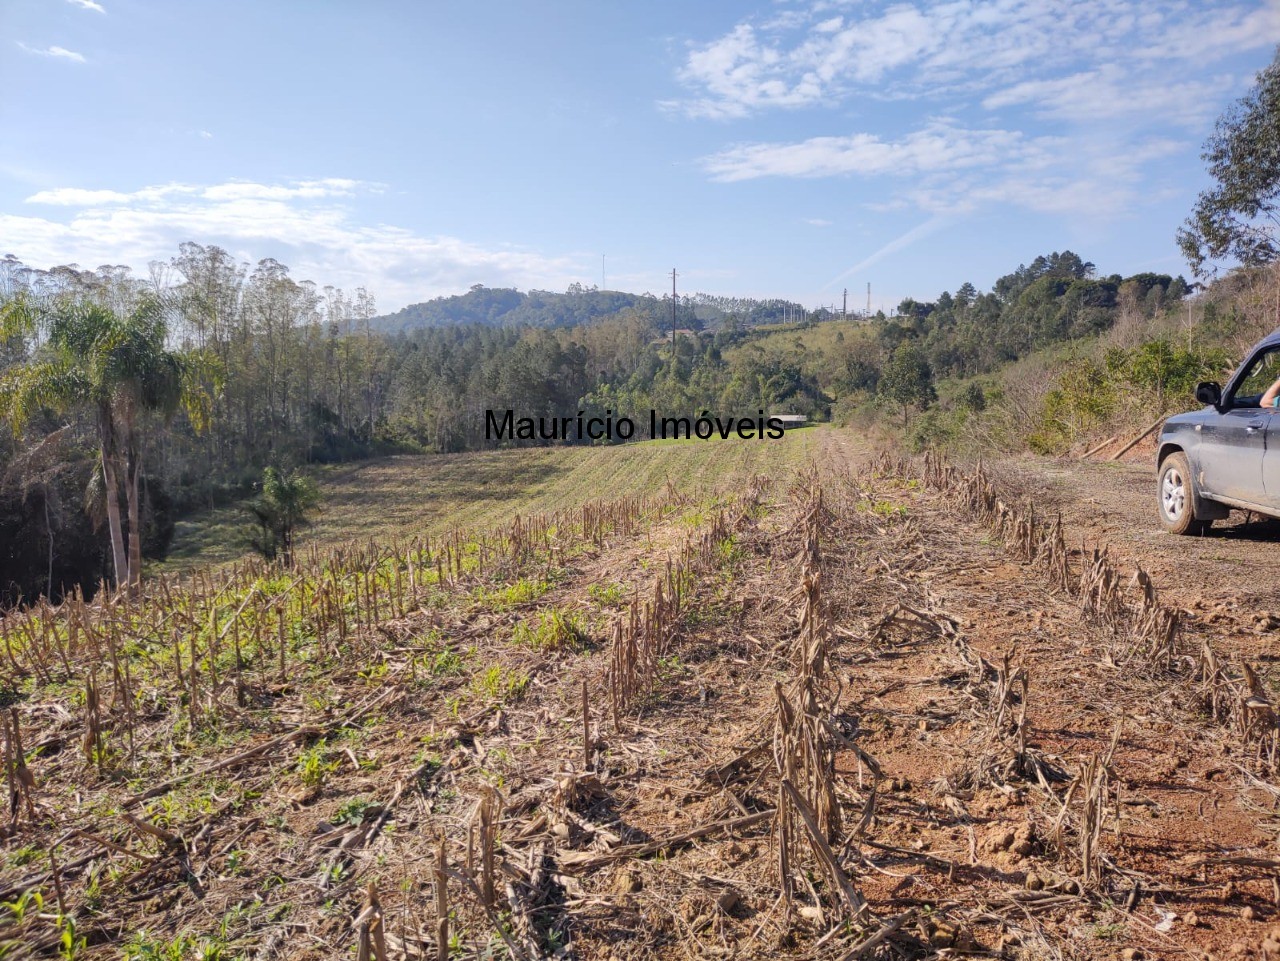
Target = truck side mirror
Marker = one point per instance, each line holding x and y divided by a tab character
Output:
1210	393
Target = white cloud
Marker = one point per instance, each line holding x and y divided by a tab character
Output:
738	73
61	53
306	224
304	189
929	49
1110	92
79	197
944	169
817	222
1065	107
1211	32
88	5
938	147
204	135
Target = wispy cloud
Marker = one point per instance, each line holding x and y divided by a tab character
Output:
946	169
302	189
61	53
817	222
1111	92
938	147
88	5
1054	106
231	190
805	57
930	226
306	224
80	197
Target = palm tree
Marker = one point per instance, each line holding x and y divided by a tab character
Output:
117	367
282	507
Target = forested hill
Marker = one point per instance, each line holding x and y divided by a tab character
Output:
579	305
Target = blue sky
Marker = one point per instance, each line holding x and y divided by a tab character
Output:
786	149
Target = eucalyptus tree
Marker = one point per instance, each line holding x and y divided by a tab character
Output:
1239	218
210	302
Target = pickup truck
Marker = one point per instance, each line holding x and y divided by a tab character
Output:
1225	455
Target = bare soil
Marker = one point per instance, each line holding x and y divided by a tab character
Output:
1227	581
962	799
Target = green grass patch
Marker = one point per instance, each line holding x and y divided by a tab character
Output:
433	494
523	591
499	685
553	631
608	595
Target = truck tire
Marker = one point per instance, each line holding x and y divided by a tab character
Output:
1176	495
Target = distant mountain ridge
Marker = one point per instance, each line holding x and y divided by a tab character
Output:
508	307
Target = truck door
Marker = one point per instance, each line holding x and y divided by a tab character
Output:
1233	444
1231	454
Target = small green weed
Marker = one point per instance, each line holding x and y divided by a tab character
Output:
334	872
553	631
143	947
445	662
608	595
1106	932
353	812
25	855
313	766
730	552
498	685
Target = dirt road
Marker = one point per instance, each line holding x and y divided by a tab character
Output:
1187	805
1227	582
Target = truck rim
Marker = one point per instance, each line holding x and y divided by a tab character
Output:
1172	496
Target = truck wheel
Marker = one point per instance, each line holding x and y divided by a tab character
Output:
1177	497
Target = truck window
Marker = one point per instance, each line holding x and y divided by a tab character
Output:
1260	375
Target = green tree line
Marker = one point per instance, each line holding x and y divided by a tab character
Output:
270	371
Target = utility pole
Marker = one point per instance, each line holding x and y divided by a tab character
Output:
673	313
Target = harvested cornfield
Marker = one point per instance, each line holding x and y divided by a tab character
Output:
878	708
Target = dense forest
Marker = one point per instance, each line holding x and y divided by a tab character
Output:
280	372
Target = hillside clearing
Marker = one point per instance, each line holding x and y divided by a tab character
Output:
405	496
